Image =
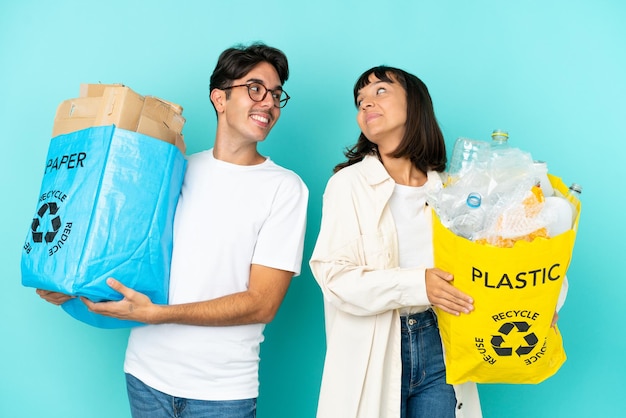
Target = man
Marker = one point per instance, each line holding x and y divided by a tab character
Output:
238	240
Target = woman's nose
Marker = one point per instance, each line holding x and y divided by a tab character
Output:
365	103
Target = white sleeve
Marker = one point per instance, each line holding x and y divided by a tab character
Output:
563	294
347	280
280	243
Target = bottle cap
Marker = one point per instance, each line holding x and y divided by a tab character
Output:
575	187
500	134
474	200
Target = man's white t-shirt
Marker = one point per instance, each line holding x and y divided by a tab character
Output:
228	217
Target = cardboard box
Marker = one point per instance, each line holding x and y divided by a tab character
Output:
157	129
95	90
162	119
120	107
76	114
163	112
116	104
175	107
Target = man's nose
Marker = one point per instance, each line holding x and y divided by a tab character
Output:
268	100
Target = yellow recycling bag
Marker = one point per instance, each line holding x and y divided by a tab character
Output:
508	337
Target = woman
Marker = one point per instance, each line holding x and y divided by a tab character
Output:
374	264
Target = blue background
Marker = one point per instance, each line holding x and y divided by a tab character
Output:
551	72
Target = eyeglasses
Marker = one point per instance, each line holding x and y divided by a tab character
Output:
258	91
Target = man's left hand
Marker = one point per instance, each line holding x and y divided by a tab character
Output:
135	306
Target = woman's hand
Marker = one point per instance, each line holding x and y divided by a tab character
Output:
555	318
444	296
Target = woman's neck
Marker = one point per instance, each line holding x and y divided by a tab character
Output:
403	172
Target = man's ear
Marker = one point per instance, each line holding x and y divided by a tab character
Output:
218	98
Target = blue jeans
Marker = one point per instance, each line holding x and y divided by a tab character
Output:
425	393
146	402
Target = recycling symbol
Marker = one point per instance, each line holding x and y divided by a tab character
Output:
54	226
502	348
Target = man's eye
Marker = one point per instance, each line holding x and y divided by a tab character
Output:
381	90
255	88
277	94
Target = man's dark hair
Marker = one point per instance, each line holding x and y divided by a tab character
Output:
423	141
239	60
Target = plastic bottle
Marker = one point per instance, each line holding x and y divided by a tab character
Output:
541	168
560	212
471	219
500	148
509	165
575	191
466	154
499	139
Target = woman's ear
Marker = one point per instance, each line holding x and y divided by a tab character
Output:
218	98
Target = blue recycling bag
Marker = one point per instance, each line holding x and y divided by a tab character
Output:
105	209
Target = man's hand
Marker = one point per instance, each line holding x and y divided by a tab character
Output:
134	306
56	298
444	296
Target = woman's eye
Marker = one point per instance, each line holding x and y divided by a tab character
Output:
381	90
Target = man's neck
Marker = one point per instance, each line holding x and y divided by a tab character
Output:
240	154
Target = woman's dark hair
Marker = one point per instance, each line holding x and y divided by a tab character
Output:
423	141
239	60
